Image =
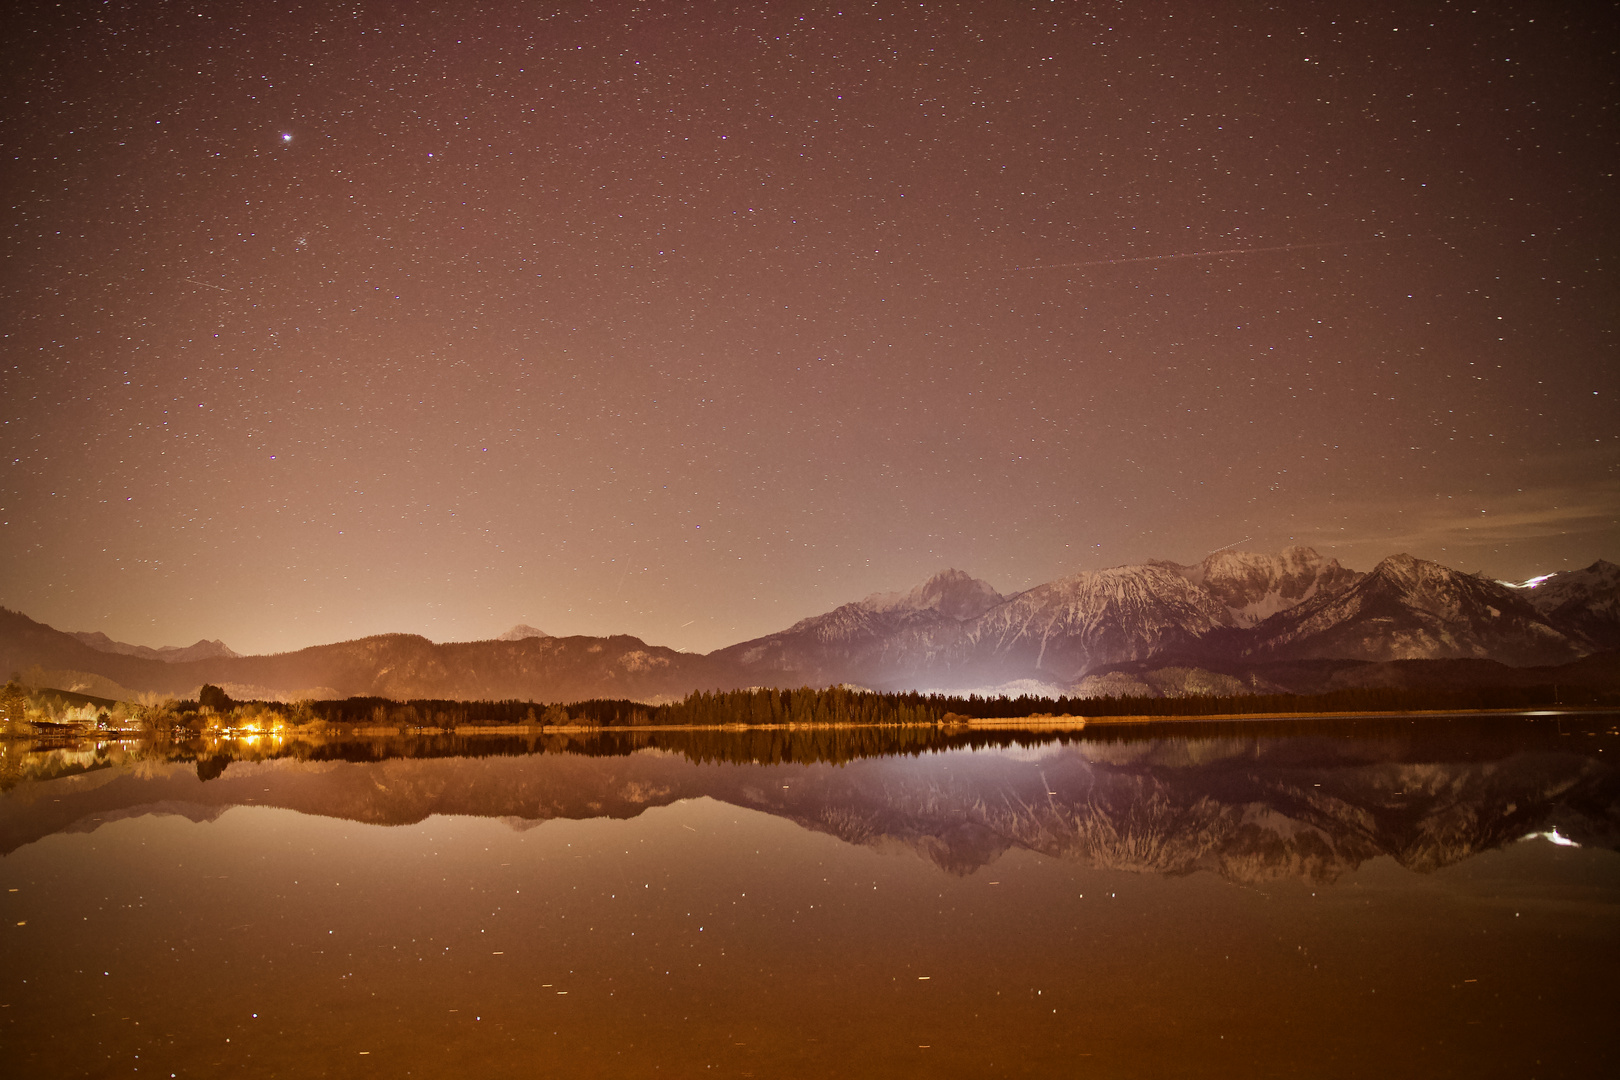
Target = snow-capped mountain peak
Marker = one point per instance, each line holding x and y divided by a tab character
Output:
1255	586
949	592
1586	601
1410	608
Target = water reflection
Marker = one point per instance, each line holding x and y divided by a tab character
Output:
1200	901
1308	801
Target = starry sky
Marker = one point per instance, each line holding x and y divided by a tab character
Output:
691	320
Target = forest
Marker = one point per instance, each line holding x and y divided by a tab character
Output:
843	706
38	711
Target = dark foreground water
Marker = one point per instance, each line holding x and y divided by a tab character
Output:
1426	898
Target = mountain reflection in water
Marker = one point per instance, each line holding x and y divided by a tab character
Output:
1248	806
1329	898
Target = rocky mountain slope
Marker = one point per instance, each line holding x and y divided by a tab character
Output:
1583	603
1255	586
868	642
1218	622
954	632
1408	609
1065	628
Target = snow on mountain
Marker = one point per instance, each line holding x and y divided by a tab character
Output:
950	596
1408	609
954	632
1256	586
1067	627
1584	603
949	592
875	641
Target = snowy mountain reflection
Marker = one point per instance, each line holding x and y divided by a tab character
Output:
1249	803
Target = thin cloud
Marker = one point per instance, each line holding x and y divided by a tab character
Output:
1512	518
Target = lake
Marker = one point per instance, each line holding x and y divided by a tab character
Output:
1423	897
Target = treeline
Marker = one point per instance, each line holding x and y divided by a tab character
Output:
842	706
833	707
1354	699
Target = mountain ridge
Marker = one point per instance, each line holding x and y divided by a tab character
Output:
1587	601
171	654
1408	608
1209	627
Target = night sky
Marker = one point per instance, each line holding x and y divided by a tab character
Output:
690	320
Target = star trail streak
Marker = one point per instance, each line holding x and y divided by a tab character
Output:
1202	254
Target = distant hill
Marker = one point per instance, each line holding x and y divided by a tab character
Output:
522	631
169	654
388	665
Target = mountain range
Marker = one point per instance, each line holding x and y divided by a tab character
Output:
1234	622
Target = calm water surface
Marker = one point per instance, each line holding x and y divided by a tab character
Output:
1434	898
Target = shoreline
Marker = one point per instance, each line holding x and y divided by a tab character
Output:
1365	714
